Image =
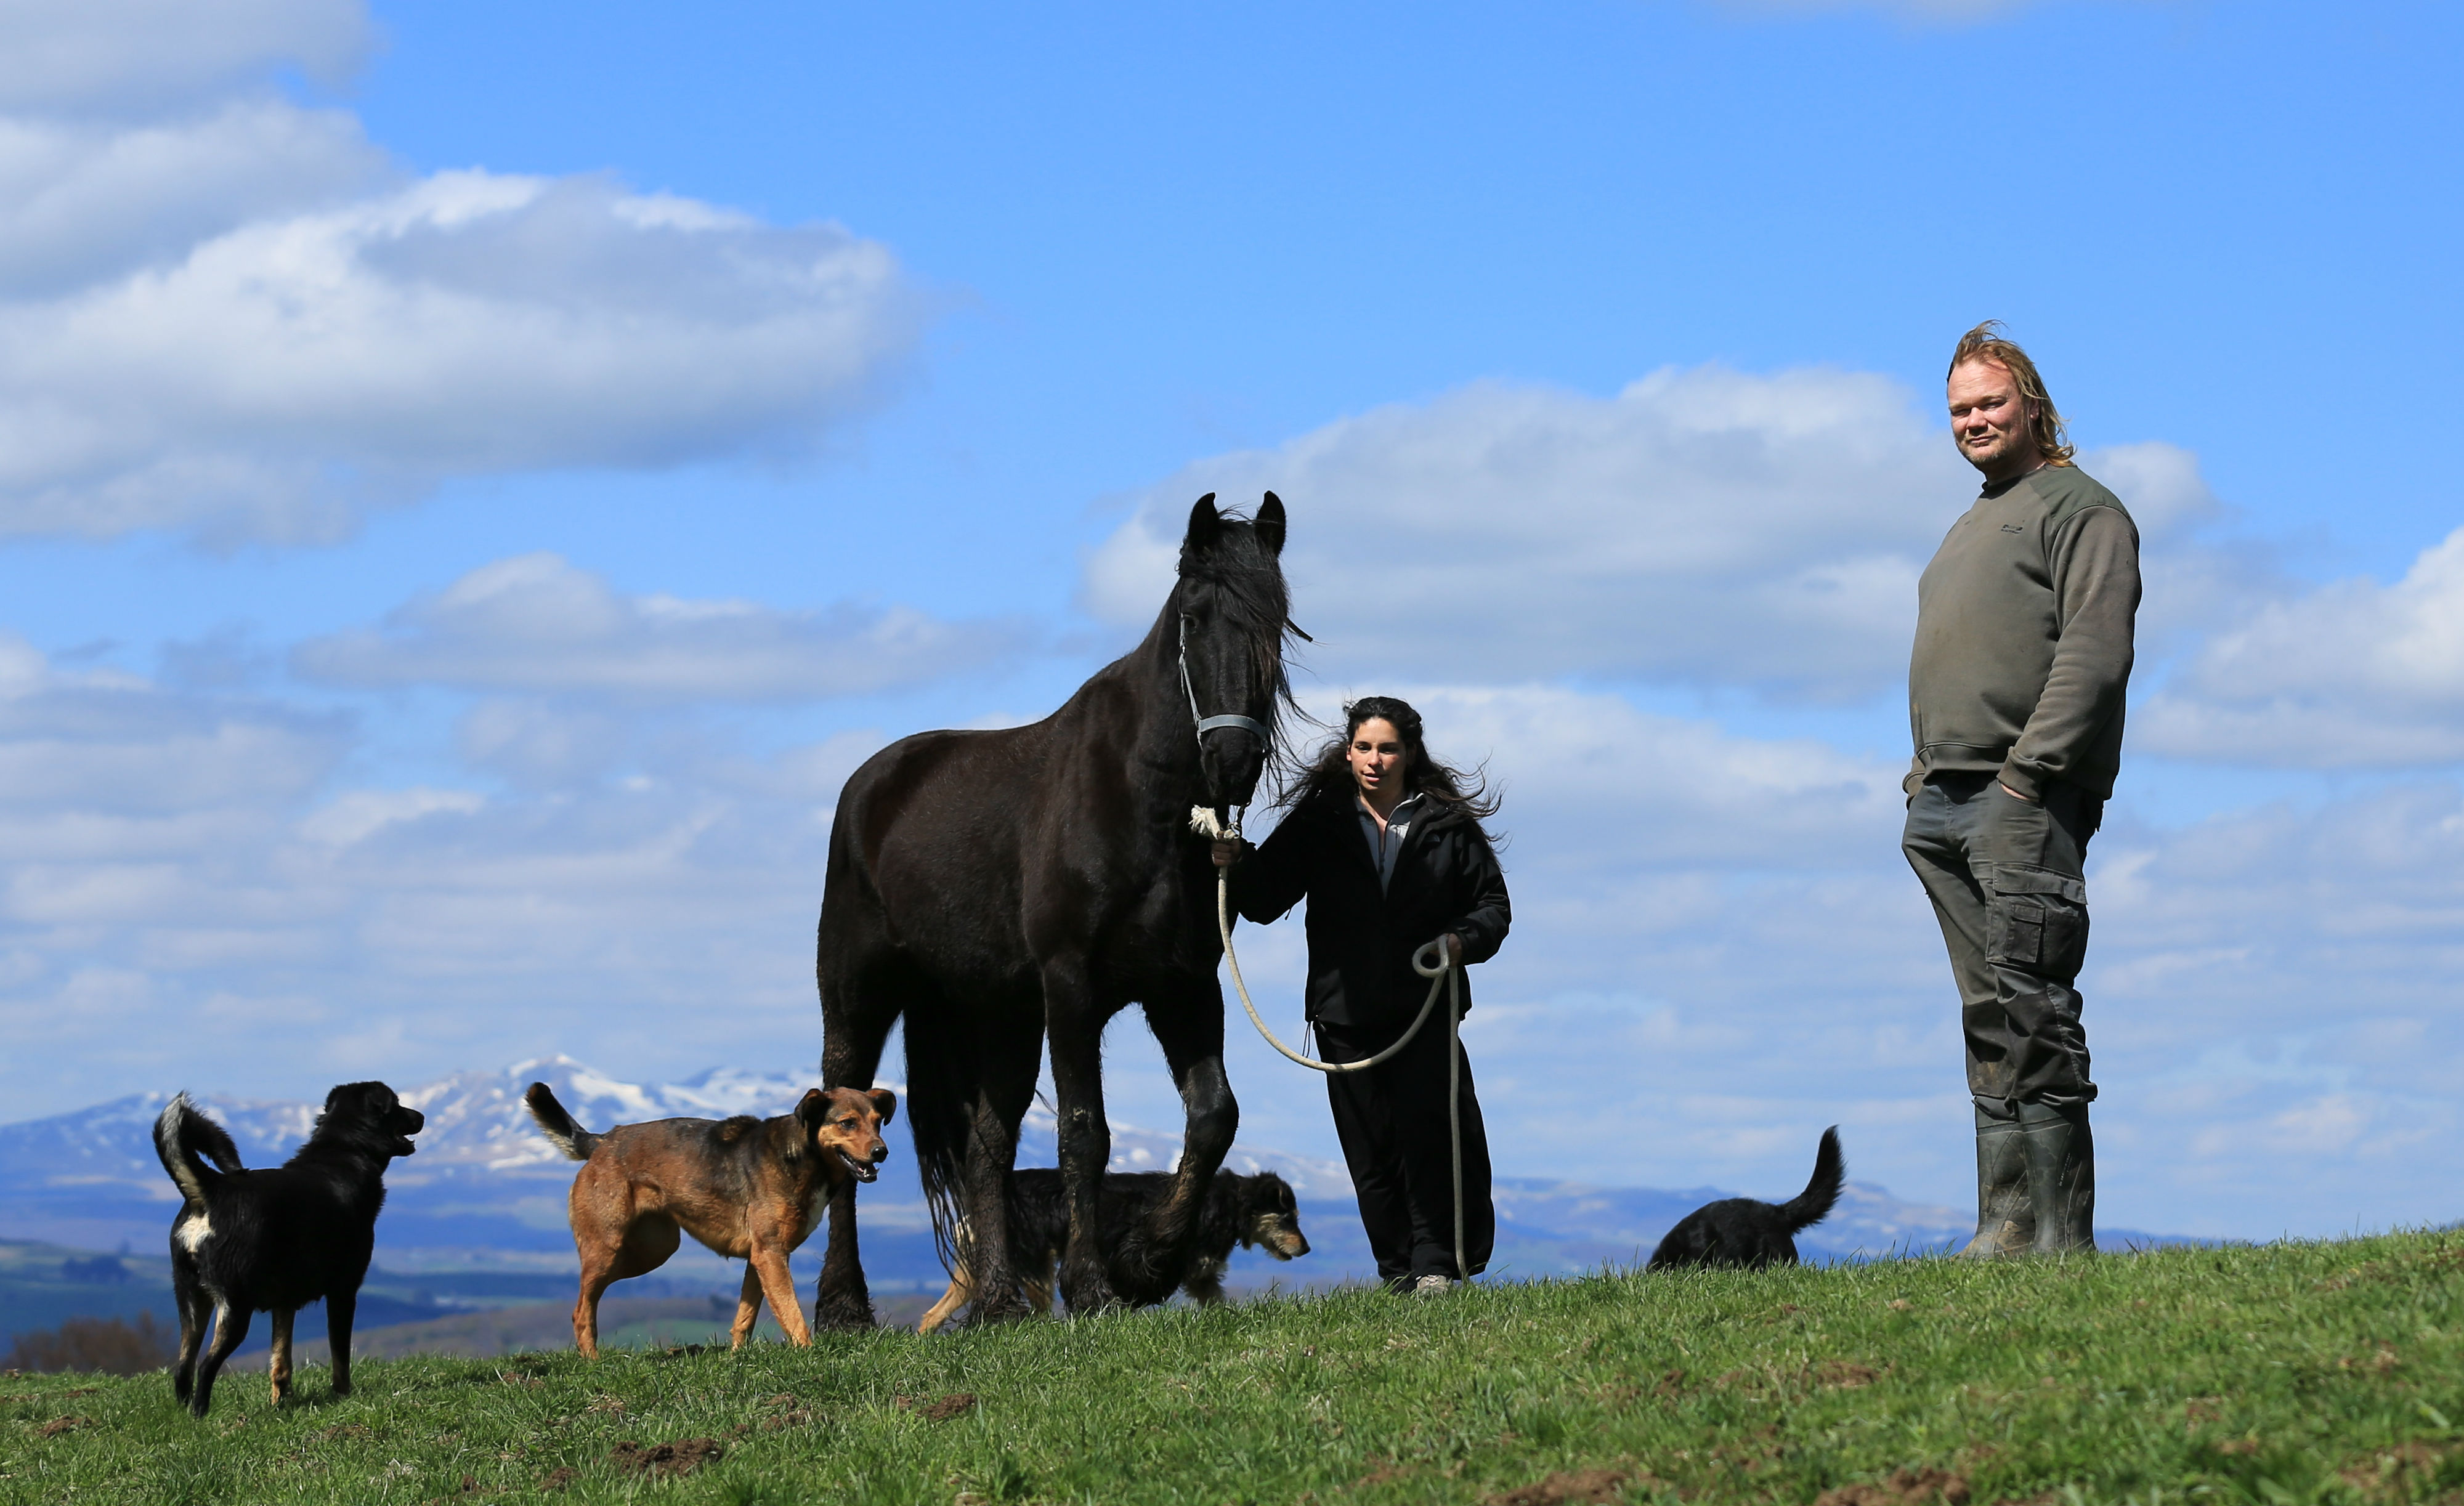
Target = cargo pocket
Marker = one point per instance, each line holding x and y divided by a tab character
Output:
2037	920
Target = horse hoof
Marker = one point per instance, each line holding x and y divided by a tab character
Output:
843	1315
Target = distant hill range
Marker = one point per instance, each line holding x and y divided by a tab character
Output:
476	1219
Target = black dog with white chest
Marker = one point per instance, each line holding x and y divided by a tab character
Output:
277	1239
1742	1231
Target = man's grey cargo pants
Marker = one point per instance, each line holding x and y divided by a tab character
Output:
2006	876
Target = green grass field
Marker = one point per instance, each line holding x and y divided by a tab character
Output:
2292	1372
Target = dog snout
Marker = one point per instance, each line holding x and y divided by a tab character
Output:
880	1151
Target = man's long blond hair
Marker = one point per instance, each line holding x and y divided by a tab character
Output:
1986	343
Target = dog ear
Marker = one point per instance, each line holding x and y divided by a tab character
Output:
884	1103
813	1110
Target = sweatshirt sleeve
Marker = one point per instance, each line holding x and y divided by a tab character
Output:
1484	925
2095	587
1275	876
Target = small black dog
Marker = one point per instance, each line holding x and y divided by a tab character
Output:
1741	1231
277	1239
1239	1211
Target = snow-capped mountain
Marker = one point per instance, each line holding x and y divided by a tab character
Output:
483	1175
487	1187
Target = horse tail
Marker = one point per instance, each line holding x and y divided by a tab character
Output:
943	1084
1813	1205
560	1126
184	1140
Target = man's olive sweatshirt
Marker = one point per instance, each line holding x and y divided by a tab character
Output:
2023	637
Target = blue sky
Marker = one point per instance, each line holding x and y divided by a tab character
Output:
473	479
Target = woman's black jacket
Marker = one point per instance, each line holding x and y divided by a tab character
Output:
1360	939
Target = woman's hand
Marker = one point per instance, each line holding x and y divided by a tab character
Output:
1452	945
1229	851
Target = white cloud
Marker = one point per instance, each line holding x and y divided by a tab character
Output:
361	813
1718	949
536	624
206	887
82	200
2356	674
1701	525
1593	771
149	57
231	315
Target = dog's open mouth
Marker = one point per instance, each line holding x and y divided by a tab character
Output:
862	1170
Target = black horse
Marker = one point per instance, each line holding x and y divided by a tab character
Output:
1002	887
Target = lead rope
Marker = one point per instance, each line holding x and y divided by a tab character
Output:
1443	976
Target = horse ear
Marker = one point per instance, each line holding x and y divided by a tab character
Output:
1205	526
1270	523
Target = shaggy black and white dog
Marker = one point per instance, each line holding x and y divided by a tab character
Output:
1742	1231
279	1239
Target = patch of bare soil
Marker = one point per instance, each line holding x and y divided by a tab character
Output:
60	1425
557	1478
1901	1487
2397	1267
948	1406
2393	1472
2380	1363
1565	1486
661	1460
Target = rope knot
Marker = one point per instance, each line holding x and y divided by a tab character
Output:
1203	820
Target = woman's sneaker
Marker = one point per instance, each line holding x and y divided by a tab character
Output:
1433	1285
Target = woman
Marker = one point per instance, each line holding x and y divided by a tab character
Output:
1386	844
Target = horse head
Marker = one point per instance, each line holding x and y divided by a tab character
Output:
1233	610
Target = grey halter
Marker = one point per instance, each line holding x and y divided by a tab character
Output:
1207	724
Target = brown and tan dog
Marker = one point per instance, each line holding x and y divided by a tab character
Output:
750	1188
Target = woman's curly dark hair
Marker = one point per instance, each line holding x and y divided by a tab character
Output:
1330	773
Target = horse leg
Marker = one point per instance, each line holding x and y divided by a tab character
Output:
860	1001
1190	1030
1074	1026
1009	1043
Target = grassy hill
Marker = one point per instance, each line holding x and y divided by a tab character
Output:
2294	1372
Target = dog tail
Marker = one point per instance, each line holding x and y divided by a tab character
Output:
557	1124
186	1140
1813	1205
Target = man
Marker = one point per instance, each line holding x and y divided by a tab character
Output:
2015	695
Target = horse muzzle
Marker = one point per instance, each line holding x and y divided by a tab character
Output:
1231	760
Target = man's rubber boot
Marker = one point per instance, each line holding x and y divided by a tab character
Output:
2006	1220
2061	1177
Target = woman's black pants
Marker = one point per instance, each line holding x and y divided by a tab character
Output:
1392	1118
